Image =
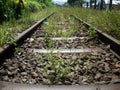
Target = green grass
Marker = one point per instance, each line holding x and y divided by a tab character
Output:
49	44
6	34
60	22
92	33
106	21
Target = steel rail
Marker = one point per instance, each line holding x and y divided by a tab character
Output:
8	50
114	43
15	86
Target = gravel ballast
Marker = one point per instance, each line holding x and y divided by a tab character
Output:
86	68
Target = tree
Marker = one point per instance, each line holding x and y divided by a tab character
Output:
71	2
14	8
75	2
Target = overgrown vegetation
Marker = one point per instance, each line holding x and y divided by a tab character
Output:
92	32
56	68
63	26
6	35
13	27
17	15
75	2
107	21
49	44
16	8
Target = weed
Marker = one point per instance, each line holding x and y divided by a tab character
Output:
92	32
56	69
63	25
48	42
64	40
85	67
6	36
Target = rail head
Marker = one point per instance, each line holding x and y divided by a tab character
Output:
31	29
15	86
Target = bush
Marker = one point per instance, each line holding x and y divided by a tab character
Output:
10	9
2	9
14	8
32	6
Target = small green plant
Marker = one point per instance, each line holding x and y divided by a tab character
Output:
86	66
48	42
6	36
55	69
92	32
64	40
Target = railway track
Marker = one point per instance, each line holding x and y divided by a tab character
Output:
64	52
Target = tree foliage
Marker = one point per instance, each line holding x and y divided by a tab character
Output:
14	8
75	2
71	1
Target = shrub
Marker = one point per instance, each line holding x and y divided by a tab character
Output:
32	6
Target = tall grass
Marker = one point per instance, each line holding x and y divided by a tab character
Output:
6	34
107	21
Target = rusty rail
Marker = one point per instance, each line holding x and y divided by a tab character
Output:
114	43
14	86
7	50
